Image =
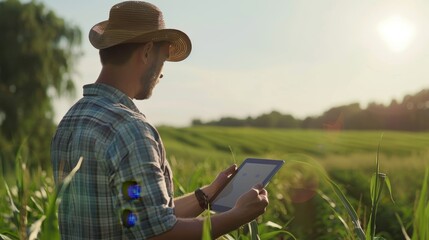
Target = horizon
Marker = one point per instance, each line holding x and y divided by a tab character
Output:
251	58
399	101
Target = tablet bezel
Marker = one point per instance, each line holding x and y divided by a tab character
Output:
278	164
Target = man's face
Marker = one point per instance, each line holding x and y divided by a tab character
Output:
149	79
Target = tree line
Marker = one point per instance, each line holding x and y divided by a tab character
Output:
411	114
38	54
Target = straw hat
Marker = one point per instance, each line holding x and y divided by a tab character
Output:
137	21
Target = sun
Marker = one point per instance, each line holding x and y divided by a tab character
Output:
397	32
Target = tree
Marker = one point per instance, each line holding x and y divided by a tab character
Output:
38	53
275	120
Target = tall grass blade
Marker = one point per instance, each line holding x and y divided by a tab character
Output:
333	207
179	186
404	231
378	181
227	237
273	225
19	167
4	237
194	181
349	208
253	230
207	226
69	178
50	225
36	228
11	202
271	235
389	187
21	174
345	202
376	190
37	205
232	154
421	215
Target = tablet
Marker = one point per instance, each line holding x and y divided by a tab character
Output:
251	172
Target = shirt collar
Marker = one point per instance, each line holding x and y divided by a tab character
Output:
113	94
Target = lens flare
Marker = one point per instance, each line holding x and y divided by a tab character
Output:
397	32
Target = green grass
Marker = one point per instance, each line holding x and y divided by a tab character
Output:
402	154
275	141
349	158
324	171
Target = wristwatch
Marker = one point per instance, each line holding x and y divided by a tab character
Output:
202	198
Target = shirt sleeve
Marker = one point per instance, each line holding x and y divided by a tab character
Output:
136	158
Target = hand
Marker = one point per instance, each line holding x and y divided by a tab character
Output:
252	203
221	179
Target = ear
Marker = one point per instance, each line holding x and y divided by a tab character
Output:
144	51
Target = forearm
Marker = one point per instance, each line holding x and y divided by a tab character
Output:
226	222
249	206
193	228
187	206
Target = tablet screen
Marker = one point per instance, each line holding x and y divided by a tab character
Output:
250	173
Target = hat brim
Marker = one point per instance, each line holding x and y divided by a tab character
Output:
180	43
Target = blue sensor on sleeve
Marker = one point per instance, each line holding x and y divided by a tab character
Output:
129	219
134	191
131	190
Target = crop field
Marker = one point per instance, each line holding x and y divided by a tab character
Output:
403	155
303	203
349	158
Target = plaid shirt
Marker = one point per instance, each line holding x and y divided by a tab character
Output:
118	147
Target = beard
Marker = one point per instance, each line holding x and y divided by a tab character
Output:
148	80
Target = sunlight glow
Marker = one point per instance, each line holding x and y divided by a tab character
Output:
397	32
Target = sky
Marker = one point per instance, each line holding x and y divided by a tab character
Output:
251	57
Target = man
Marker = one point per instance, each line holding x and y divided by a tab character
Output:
123	189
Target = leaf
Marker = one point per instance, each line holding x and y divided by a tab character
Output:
35	228
50	226
37	204
232	154
179	186
376	191
272	235
273	225
404	231
253	230
207	226
332	205
12	204
4	237
372	187
389	187
228	237
349	208
69	178
421	215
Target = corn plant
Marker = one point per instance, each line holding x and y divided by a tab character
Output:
349	209
421	219
18	200
421	213
378	182
207	226
33	211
